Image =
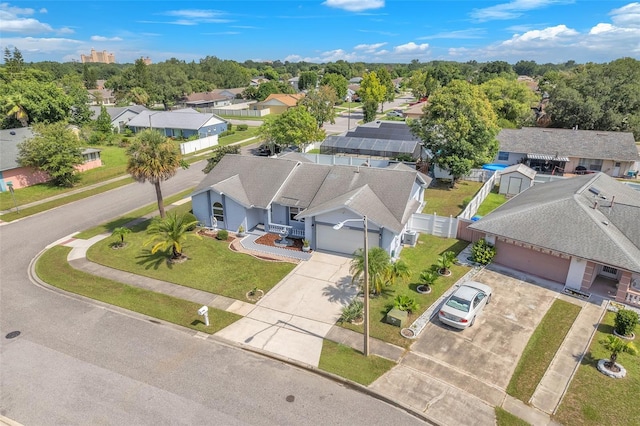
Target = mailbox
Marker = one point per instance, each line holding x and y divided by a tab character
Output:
203	310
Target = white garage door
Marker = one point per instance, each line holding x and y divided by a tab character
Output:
343	240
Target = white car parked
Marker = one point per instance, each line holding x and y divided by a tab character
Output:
395	113
464	304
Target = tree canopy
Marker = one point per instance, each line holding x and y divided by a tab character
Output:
296	126
320	104
459	128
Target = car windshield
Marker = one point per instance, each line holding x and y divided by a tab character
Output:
459	304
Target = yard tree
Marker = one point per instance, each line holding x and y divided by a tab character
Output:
379	263
372	89
512	101
170	83
38	101
154	158
171	232
385	80
56	150
296	126
417	84
459	128
73	86
320	103
217	153
338	82
271	87
308	80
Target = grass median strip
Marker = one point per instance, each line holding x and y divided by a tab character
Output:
541	349
53	268
505	418
351	364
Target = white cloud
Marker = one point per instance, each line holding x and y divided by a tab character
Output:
470	33
411	47
512	10
369	48
196	16
354	5
102	38
12	22
548	34
628	15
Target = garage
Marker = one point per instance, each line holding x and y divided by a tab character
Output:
344	240
534	262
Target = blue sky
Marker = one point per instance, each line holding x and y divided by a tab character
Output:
323	31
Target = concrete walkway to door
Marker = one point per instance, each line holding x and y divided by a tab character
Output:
294	317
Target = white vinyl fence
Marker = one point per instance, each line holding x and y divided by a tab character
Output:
474	204
433	224
198	144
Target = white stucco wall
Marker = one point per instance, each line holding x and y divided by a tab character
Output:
576	273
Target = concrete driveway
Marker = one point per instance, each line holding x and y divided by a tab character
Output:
450	374
292	319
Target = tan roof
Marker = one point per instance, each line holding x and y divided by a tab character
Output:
204	96
287	99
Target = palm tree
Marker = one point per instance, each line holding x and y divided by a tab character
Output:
445	261
170	232
13	106
428	277
121	232
378	263
617	346
154	158
398	270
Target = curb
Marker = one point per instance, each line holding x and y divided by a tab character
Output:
33	277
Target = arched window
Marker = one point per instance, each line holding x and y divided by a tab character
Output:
218	211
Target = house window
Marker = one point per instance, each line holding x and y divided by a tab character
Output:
218	211
503	156
610	270
293	211
591	164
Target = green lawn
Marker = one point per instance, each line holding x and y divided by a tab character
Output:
53	268
492	202
541	348
239	135
420	257
211	267
348	363
595	399
505	418
445	201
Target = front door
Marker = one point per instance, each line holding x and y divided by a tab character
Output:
616	170
515	185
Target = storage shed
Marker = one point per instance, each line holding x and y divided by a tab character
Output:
515	179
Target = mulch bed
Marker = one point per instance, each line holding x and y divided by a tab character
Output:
269	240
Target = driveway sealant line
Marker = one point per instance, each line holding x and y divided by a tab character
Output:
33	277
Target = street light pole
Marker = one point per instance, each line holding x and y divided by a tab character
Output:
365	304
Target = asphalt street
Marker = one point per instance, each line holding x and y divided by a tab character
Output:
77	362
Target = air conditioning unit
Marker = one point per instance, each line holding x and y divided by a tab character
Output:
410	238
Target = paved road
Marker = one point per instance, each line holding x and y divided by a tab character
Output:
76	362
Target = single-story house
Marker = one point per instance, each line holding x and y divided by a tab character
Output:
386	139
515	179
205	100
415	111
583	232
182	123
559	151
21	177
277	103
101	96
233	93
120	116
305	200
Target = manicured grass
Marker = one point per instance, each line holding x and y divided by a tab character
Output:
420	257
239	135
351	364
445	201
492	202
114	163
211	267
53	268
505	418
541	349
595	399
24	212
108	227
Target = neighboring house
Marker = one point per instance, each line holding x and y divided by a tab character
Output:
583	232
233	93
120	116
258	81
415	111
355	80
205	100
386	139
558	151
293	82
278	103
21	177
515	179
101	97
182	123
306	200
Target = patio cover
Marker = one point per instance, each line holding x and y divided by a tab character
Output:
546	157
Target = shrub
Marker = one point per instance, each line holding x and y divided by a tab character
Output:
222	234
482	252
189	217
242	127
352	311
625	322
227	133
405	303
229	126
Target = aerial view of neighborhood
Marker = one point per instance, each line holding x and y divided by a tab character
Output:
320	212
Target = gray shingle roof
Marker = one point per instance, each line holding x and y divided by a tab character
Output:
520	168
9	140
181	119
594	144
561	216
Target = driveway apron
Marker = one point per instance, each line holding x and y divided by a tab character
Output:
292	319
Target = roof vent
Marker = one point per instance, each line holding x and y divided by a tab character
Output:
605	223
594	190
13	132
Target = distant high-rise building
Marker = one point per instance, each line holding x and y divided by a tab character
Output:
102	57
147	60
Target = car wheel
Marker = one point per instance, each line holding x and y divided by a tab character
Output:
473	320
489	299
